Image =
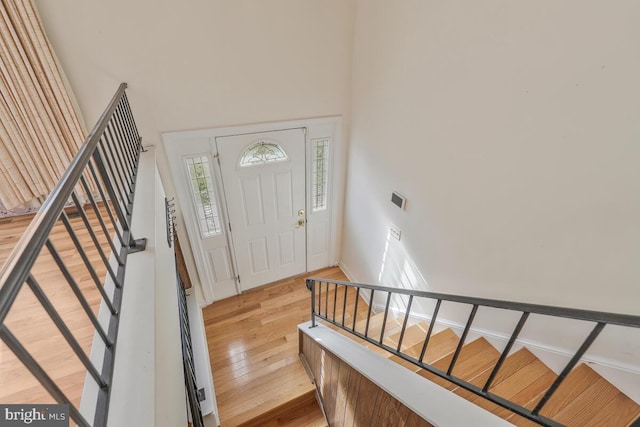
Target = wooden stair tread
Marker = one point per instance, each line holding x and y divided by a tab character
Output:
357	339
475	358
374	320
413	335
578	380
405	364
341	331
382	352
521	421
511	365
375	326
440	345
266	395
524	387
621	411
522	379
436	348
300	411
588	404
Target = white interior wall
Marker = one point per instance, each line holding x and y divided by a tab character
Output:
512	130
205	64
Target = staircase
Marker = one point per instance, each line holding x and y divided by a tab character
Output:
583	398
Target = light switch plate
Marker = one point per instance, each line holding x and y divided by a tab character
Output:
395	232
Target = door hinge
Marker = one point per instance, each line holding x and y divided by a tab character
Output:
238	278
229	226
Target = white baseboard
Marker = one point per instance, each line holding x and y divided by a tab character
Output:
346	272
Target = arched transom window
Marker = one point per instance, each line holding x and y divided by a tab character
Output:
263	152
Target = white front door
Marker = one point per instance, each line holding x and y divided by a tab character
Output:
263	176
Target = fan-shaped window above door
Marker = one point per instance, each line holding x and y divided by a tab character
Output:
263	152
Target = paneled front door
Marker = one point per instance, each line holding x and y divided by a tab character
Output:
263	176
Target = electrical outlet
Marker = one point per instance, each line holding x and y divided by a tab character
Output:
395	232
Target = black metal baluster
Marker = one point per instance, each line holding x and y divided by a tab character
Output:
366	328
335	300
344	304
105	150
87	262
132	119
320	299
78	293
404	323
118	148
64	330
124	145
117	162
111	190
311	285
384	320
506	350
463	337
355	309
572	363
119	177
36	370
116	225
95	240
103	162
430	330
92	201
326	301
131	141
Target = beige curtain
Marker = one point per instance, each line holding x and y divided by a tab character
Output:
40	131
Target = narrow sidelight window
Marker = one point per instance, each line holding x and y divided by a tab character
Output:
203	195
319	173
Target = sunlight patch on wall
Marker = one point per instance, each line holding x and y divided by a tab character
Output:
398	270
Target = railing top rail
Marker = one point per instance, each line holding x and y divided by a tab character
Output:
19	263
572	313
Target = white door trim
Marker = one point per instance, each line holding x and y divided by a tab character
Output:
175	143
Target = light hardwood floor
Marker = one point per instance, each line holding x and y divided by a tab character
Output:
32	326
253	347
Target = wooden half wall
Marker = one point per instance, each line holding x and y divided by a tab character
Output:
348	397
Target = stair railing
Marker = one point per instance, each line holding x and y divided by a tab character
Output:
188	363
329	303
191	385
100	182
